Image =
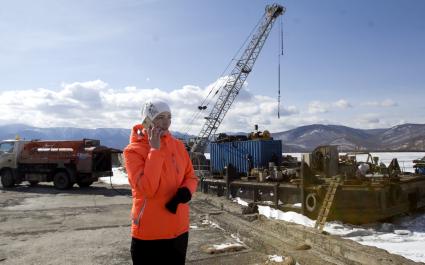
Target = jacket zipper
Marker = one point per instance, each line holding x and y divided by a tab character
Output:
137	221
175	163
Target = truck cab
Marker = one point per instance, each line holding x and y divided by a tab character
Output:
9	151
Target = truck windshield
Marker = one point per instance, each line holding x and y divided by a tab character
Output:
6	147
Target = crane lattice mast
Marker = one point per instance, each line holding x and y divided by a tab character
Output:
237	78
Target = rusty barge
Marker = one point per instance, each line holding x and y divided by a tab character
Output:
366	191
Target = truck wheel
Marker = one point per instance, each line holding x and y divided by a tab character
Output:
7	179
61	180
84	184
33	183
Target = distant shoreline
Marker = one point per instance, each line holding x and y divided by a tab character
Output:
385	151
367	151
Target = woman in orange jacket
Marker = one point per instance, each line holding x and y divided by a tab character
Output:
162	181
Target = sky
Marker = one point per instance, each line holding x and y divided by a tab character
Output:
92	64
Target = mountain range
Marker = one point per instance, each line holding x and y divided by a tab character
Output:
405	137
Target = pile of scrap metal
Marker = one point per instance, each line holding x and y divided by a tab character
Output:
419	166
223	138
325	161
255	135
368	190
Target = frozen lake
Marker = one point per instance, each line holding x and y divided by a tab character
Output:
405	159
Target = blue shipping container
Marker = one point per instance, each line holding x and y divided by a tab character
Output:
236	153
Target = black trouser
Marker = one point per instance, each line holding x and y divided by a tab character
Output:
162	251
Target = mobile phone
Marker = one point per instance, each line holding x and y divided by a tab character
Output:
147	123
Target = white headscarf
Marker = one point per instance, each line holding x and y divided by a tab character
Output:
153	108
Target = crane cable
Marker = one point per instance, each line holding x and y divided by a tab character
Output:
197	113
279	55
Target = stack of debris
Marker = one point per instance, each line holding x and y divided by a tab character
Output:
419	165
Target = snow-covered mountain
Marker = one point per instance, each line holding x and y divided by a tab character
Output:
406	137
111	137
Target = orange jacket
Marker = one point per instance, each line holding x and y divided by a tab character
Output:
154	176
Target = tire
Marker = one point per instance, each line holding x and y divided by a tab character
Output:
7	178
84	184
33	183
61	180
311	202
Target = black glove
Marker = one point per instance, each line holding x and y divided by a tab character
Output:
183	195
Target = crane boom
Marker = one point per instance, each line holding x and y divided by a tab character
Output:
237	78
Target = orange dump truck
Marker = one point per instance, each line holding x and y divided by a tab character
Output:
63	162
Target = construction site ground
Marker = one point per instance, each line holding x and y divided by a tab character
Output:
42	225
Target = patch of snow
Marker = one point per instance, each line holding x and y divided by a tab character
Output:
236	237
359	233
240	201
226	245
292	217
266	202
402	232
119	177
275	258
316	131
409	249
212	224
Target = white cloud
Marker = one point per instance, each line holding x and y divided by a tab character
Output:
94	104
385	103
388	103
368	120
371	121
318	107
342	103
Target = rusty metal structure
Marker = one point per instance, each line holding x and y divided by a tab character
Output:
367	191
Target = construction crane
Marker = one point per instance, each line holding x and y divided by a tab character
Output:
237	78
